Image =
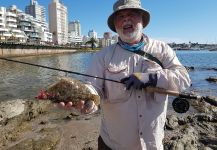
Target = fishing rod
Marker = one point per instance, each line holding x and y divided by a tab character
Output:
180	104
61	70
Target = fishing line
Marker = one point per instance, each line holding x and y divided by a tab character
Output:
57	69
180	105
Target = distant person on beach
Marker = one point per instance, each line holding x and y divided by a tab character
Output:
133	119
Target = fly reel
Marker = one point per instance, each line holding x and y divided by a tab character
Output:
180	105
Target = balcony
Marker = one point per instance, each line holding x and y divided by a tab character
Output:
27	24
2	29
16	31
19	36
11	20
28	30
34	35
12	25
11	14
7	34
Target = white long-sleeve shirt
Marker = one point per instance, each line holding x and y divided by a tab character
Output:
134	119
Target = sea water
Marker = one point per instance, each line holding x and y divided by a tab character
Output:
24	81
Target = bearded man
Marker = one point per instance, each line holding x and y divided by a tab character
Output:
133	119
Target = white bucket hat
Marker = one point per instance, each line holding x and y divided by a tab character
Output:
128	4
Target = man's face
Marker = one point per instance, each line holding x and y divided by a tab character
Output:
128	24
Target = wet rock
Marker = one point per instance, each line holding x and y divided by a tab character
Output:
207	148
187	132
171	122
185	141
189	68
72	115
35	108
22	109
43	122
196	131
206	117
182	121
87	118
208	140
88	148
215	69
48	138
41	126
73	137
211	100
203	117
15	117
205	105
10	109
212	79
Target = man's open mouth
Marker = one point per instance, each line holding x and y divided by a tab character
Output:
128	27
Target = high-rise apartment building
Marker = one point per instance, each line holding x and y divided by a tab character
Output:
37	31
107	35
35	10
8	25
108	39
92	34
58	22
75	26
75	32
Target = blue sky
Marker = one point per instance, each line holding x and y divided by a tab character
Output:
171	20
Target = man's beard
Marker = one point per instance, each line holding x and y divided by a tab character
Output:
131	37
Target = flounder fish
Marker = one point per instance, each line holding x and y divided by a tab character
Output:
69	90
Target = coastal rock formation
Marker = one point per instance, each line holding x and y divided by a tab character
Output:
189	68
212	79
38	125
213	68
193	132
15	117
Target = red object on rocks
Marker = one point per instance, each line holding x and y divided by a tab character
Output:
42	95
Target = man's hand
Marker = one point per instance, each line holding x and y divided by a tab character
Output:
85	107
140	80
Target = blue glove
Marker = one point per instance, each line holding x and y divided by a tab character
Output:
135	80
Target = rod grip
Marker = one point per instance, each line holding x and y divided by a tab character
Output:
162	91
172	93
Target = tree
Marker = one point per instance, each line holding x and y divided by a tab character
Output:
93	42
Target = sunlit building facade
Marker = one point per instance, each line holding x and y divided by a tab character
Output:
9	31
58	22
35	10
75	26
92	34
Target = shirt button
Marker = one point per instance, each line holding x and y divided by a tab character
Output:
140	116
140	133
139	96
136	64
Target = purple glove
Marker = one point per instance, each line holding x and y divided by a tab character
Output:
135	81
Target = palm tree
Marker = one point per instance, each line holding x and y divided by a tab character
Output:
93	42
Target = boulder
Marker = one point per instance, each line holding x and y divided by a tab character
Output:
212	79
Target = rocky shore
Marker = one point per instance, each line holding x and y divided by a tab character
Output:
39	125
197	131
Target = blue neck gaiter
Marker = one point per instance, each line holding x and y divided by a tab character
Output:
132	48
